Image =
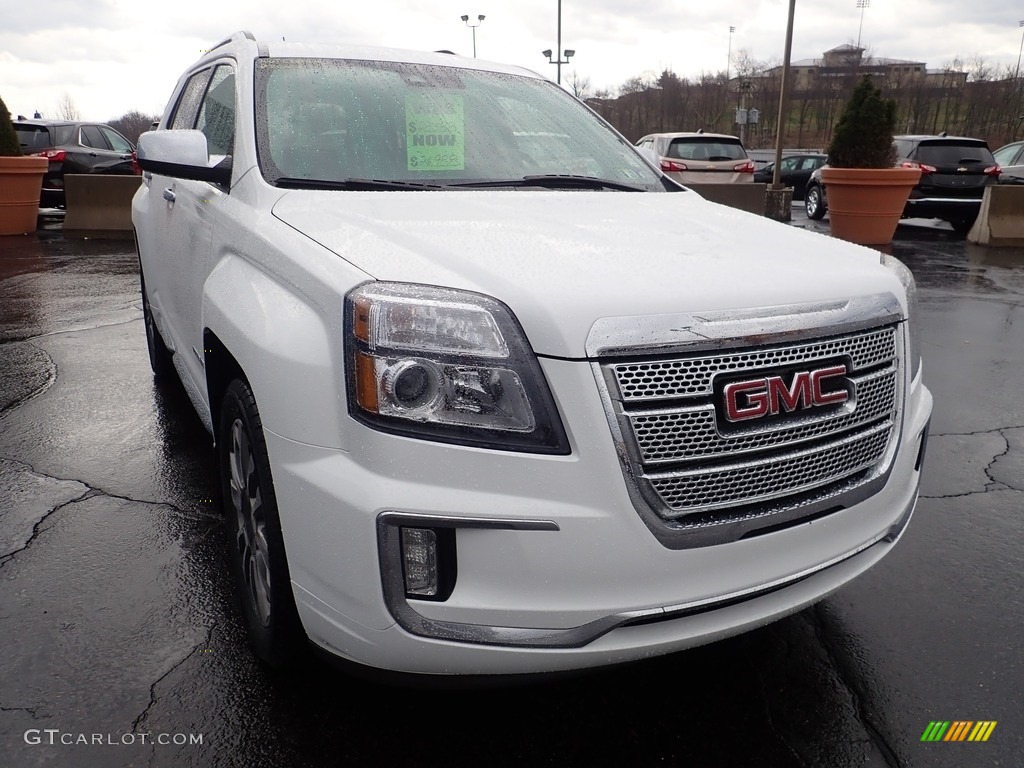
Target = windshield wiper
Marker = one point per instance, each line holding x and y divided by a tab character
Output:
555	181
291	182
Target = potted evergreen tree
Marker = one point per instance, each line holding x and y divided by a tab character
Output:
21	180
866	192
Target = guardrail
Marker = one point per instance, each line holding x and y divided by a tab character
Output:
1000	221
99	205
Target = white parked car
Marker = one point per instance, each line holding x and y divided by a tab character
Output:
486	401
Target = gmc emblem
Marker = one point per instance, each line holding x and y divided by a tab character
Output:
771	395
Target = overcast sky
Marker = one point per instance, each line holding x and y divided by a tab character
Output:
112	56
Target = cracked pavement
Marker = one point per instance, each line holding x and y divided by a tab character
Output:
118	614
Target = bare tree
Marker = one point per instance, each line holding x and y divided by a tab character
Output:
133	124
580	85
66	108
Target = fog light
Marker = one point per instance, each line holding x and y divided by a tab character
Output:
419	562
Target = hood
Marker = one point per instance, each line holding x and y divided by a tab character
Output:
562	260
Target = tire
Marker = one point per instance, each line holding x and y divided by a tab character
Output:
159	356
256	547
814	203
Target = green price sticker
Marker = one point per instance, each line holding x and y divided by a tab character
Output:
435	132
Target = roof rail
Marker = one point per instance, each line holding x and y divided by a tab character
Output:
240	35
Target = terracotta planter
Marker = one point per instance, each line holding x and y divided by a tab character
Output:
865	204
21	179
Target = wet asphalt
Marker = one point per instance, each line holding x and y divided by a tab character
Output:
119	629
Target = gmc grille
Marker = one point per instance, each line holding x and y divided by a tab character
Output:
695	470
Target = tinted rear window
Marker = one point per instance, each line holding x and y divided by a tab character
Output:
952	153
706	148
32	137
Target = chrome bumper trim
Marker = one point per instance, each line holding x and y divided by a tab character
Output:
415	623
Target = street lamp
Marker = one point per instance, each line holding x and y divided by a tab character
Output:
480	18
569	52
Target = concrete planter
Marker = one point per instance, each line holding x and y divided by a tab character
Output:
21	179
865	204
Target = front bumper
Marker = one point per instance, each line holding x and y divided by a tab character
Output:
556	570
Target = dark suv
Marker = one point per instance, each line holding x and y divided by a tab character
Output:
73	147
954	173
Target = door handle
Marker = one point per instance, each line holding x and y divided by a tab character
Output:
169	194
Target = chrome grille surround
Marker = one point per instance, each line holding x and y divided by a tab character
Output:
696	483
661	380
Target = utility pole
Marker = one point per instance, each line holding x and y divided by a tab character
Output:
777	202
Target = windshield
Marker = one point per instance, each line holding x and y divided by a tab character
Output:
335	120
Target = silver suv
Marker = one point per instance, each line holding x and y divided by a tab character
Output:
697	157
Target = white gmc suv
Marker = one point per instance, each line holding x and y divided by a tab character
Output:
490	394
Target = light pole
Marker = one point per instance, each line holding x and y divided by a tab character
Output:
728	58
862	4
479	21
1017	74
569	52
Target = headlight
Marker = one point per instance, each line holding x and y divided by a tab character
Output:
907	279
446	365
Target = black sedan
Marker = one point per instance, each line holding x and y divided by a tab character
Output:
73	147
794	171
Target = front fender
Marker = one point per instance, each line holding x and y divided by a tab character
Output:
286	347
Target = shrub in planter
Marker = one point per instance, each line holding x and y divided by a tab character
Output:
866	193
21	179
863	136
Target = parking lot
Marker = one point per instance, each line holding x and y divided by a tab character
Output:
123	645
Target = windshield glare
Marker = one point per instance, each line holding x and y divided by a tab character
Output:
332	120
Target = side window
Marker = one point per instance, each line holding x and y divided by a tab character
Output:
217	113
789	164
1006	155
117	141
188	102
91	137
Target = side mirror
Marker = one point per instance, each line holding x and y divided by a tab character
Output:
182	154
